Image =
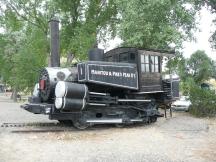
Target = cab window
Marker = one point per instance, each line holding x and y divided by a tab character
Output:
145	63
150	63
109	59
155	64
123	57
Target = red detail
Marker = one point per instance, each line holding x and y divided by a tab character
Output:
42	84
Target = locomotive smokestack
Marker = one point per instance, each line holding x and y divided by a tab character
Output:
54	43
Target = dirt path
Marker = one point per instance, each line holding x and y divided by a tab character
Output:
181	138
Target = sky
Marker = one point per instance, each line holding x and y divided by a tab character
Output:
202	36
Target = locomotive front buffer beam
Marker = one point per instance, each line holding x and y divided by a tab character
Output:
36	108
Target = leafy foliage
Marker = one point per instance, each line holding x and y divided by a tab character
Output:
141	23
214	69
30	59
156	24
174	64
194	71
25	47
20	63
201	66
36	13
203	102
83	23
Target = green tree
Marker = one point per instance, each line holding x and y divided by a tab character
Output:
156	24
203	102
84	24
34	12
201	67
24	43
24	48
195	70
30	58
214	69
10	43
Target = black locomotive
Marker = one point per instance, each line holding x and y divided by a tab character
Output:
121	86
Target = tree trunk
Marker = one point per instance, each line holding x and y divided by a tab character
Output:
14	95
70	58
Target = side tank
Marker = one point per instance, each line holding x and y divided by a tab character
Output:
70	96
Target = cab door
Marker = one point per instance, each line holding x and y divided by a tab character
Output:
150	72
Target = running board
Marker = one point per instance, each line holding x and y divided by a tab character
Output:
132	100
111	121
100	121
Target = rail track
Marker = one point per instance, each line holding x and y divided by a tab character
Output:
36	124
36	127
39	127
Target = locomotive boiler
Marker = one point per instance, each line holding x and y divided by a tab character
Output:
121	86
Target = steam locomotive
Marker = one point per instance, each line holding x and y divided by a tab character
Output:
121	86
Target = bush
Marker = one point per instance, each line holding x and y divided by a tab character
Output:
203	102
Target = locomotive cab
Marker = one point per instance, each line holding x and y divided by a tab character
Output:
149	65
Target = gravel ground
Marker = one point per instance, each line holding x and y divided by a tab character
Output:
177	139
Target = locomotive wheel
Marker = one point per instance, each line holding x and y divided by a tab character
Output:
80	124
153	119
120	125
66	122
